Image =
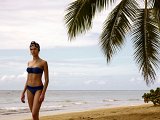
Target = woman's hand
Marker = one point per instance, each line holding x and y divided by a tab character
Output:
41	98
23	98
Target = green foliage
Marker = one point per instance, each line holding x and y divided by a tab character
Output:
143	24
153	96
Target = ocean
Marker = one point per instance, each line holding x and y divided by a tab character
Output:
70	100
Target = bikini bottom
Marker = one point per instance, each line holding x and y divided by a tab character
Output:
34	89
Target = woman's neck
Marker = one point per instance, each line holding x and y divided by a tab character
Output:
35	58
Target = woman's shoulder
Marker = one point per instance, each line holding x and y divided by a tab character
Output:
29	62
43	61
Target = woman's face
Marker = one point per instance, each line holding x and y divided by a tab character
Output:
34	50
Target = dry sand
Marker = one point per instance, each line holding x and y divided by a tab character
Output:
142	112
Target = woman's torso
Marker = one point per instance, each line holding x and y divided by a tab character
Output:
35	72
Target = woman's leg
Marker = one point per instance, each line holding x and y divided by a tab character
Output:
36	105
30	97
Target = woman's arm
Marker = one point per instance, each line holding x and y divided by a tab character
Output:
46	77
24	90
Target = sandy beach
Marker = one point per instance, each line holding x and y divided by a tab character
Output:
141	112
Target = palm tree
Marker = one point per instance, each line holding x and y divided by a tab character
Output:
143	24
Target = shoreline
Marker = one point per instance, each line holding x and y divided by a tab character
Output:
132	112
58	102
125	112
27	116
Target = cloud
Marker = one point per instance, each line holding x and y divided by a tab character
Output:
98	82
22	76
13	77
137	80
22	21
3	77
158	79
90	67
7	77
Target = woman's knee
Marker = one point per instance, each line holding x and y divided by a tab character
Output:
34	115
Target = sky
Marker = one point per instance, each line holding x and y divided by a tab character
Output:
73	65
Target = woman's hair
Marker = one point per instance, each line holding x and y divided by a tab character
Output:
35	44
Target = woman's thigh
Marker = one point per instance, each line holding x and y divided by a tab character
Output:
30	97
36	103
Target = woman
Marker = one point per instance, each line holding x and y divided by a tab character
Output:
34	86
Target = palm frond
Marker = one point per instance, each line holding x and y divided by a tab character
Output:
157	11
80	14
146	42
116	26
150	3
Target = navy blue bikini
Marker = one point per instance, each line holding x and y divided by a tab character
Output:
34	89
34	70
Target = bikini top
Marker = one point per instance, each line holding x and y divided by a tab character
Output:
36	70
